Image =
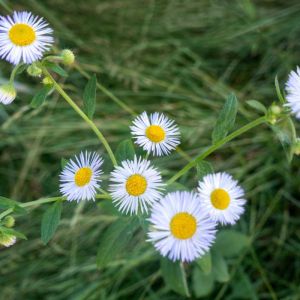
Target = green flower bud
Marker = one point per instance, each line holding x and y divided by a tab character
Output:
7	240
296	147
68	57
9	221
275	109
34	71
47	81
7	93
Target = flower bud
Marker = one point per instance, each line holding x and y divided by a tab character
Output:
9	221
47	81
7	93
68	57
7	240
34	71
296	147
275	109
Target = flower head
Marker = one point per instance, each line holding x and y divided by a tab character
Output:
80	178
7	240
292	87
155	133
7	93
24	37
221	198
135	185
180	229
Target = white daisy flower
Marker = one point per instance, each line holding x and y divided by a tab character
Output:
7	240
155	133
24	37
7	93
179	228
221	198
80	178
135	186
292	87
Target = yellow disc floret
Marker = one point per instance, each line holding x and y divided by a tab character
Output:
183	226
136	185
83	176
155	133
22	35
220	199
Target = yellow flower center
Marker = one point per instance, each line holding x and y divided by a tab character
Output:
183	226
220	199
155	133
22	34
83	176
136	185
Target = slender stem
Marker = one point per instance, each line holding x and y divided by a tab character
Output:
216	146
83	115
6	212
14	72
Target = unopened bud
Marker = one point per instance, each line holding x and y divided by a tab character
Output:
68	57
296	147
9	221
7	93
34	71
7	240
47	81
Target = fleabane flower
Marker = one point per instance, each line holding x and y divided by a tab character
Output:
7	240
292	87
221	198
80	178
179	229
24	37
156	133
135	185
7	93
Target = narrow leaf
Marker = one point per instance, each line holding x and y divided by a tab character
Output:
202	283
174	276
205	263
50	221
230	243
13	232
115	239
40	97
226	119
6	203
203	168
278	91
257	106
125	150
89	97
219	267
56	69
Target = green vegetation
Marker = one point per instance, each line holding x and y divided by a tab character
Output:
179	57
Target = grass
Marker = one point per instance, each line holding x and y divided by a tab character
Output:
183	58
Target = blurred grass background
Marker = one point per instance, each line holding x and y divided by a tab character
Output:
182	58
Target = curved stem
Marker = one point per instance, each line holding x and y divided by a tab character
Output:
14	72
83	116
216	146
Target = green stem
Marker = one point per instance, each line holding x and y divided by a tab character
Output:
14	72
216	146
83	115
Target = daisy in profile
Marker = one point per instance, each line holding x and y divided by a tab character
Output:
80	178
221	198
7	240
156	133
292	87
179	229
135	185
7	93
24	37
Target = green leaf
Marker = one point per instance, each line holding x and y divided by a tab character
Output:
50	221
257	106
56	69
63	162
202	283
125	150
278	91
230	243
226	119
89	97
13	232
6	203
174	276
204	263
40	97
115	239
203	168
219	267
